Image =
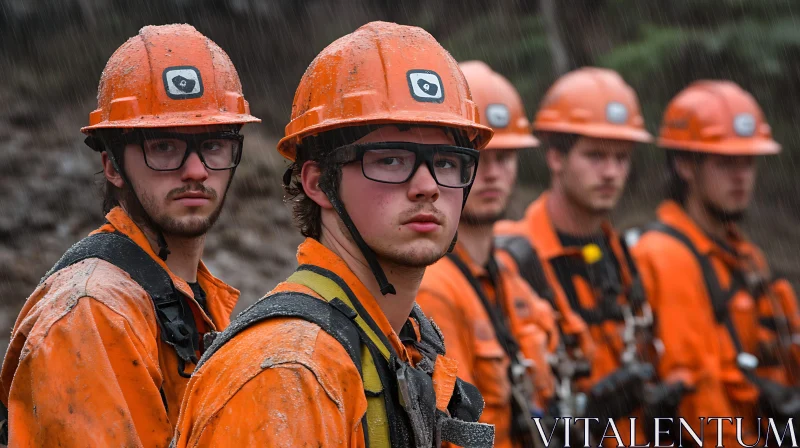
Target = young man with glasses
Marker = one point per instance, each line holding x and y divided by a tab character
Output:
383	141
102	350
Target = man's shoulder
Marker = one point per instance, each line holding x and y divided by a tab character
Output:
80	284
661	249
444	280
276	343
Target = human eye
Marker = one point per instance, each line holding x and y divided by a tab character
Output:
214	145
163	146
448	161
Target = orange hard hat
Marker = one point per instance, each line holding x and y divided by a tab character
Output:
592	102
716	117
382	73
169	76
500	105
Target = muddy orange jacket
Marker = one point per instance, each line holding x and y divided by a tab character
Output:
601	342
284	382
86	366
698	349
450	301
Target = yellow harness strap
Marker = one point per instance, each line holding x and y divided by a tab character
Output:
377	422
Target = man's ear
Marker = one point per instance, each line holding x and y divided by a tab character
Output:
110	172
687	168
555	160
310	176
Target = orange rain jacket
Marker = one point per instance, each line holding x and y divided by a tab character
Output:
698	349
285	382
86	366
447	297
602	343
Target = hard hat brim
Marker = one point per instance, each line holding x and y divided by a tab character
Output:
726	147
481	134
512	141
175	120
604	131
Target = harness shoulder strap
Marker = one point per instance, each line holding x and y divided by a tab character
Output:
528	264
504	336
342	316
719	296
178	328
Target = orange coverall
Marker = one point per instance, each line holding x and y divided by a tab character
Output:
284	382
601	342
448	298
86	365
698	349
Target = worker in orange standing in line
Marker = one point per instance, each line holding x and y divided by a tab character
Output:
383	140
497	329
589	123
730	325
102	351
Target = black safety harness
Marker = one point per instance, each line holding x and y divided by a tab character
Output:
777	400
175	318
523	408
569	368
407	392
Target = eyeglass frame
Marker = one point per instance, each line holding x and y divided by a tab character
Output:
139	136
423	153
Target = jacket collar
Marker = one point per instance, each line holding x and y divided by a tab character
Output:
221	298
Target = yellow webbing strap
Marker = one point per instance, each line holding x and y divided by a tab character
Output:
377	421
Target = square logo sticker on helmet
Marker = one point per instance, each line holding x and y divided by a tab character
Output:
425	86
182	83
497	115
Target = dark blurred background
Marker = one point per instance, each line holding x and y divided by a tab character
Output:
53	51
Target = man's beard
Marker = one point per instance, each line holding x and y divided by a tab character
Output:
724	216
409	260
142	211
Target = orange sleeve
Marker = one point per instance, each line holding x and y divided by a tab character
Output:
283	406
788	299
90	381
455	328
686	326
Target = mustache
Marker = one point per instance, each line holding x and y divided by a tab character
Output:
423	208
194	187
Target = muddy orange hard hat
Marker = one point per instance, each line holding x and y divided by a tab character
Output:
716	117
593	102
169	76
500	106
382	73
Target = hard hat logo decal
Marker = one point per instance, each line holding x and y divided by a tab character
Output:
425	86
183	82
744	125
497	115
616	113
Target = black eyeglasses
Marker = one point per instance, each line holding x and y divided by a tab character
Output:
396	162
168	151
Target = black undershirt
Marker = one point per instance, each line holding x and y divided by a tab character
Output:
607	266
199	295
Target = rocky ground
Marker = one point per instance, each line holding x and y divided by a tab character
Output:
50	198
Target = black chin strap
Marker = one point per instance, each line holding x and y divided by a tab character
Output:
369	254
